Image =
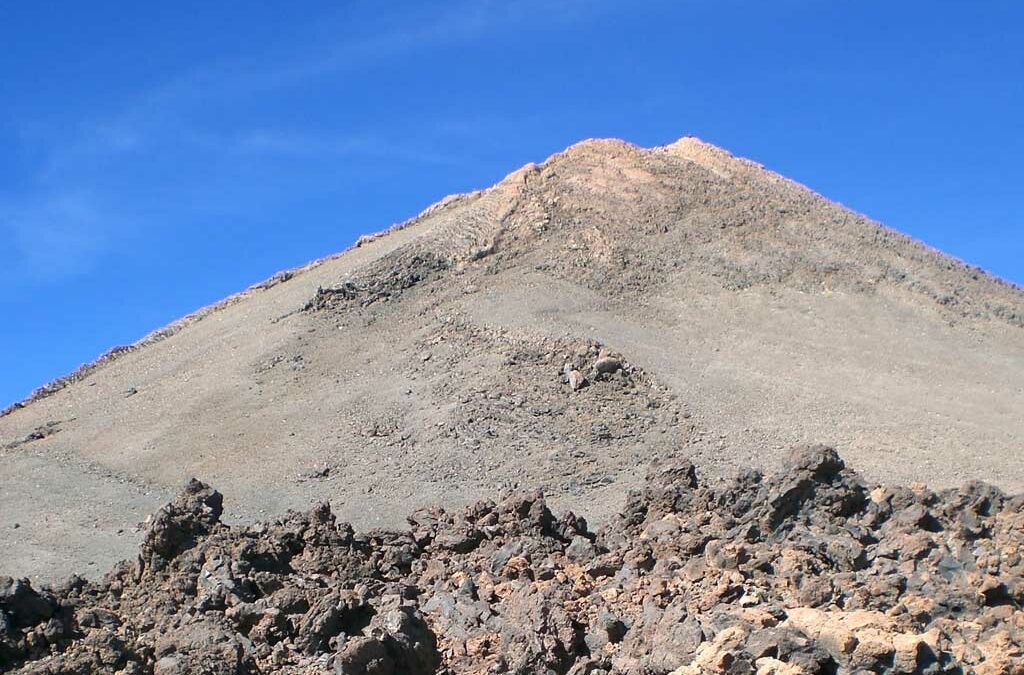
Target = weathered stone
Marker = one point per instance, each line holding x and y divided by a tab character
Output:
804	571
607	364
576	380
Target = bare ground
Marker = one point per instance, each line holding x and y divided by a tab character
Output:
429	365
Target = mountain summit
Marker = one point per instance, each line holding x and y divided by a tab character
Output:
561	330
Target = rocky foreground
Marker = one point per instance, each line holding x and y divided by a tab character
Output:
807	571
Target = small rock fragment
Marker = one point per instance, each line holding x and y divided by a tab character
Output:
607	364
576	380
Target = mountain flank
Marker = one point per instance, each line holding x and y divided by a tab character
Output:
609	307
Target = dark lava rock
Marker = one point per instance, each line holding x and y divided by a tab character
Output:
805	571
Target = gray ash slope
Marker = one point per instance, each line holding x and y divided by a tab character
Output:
433	364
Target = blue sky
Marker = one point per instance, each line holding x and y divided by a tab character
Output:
156	157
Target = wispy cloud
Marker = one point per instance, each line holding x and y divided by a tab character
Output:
431	25
297	144
58	236
63	222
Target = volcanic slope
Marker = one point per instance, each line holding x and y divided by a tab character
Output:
560	330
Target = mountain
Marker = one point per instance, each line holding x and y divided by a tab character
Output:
611	306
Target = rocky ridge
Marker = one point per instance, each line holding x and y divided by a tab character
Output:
808	570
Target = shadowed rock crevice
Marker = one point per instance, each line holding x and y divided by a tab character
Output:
808	570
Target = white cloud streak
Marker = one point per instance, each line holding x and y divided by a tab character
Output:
64	224
56	237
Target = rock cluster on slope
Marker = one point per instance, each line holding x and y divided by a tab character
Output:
805	571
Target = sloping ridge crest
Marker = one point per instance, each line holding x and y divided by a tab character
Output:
710	157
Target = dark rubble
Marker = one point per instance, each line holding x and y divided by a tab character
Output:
806	571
